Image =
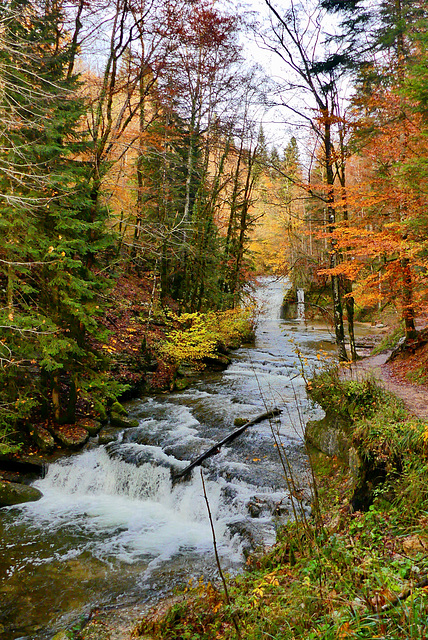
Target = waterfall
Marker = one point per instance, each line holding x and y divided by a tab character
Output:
126	511
111	527
300	305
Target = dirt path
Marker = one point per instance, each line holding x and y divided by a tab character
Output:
415	397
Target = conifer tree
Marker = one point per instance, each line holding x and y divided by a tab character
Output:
50	233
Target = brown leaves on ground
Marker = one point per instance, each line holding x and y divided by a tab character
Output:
134	332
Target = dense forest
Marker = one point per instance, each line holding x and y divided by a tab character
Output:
133	151
159	159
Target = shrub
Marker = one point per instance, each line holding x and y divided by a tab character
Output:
198	336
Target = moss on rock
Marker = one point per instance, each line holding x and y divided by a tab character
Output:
13	493
125	423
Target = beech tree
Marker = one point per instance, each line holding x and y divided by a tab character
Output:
387	131
296	38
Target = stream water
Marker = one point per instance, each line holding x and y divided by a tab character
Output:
111	529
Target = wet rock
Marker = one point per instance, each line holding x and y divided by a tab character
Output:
42	438
92	426
139	457
106	436
256	508
13	493
243	530
218	363
260	507
72	436
177	451
229	492
118	409
118	421
181	384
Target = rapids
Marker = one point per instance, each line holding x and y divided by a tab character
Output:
112	530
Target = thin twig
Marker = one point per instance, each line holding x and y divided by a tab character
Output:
220	570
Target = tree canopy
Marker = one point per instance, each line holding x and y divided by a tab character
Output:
133	141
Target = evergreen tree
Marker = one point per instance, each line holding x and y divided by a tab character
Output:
50	232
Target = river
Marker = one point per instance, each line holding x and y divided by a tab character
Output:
112	530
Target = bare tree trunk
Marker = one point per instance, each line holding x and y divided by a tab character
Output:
407	297
331	212
347	284
10	278
139	168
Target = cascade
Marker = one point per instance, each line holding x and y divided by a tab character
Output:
111	525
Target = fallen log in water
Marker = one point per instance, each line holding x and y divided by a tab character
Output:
216	448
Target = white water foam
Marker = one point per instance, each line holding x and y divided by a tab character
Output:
133	511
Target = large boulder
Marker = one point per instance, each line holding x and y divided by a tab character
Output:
125	423
72	436
42	438
330	436
13	493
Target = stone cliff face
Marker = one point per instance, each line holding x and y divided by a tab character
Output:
332	436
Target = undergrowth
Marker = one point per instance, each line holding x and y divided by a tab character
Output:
194	337
390	341
348	575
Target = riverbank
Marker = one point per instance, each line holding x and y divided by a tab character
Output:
148	349
392	376
346	572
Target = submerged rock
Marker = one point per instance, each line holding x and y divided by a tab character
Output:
107	435
13	493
